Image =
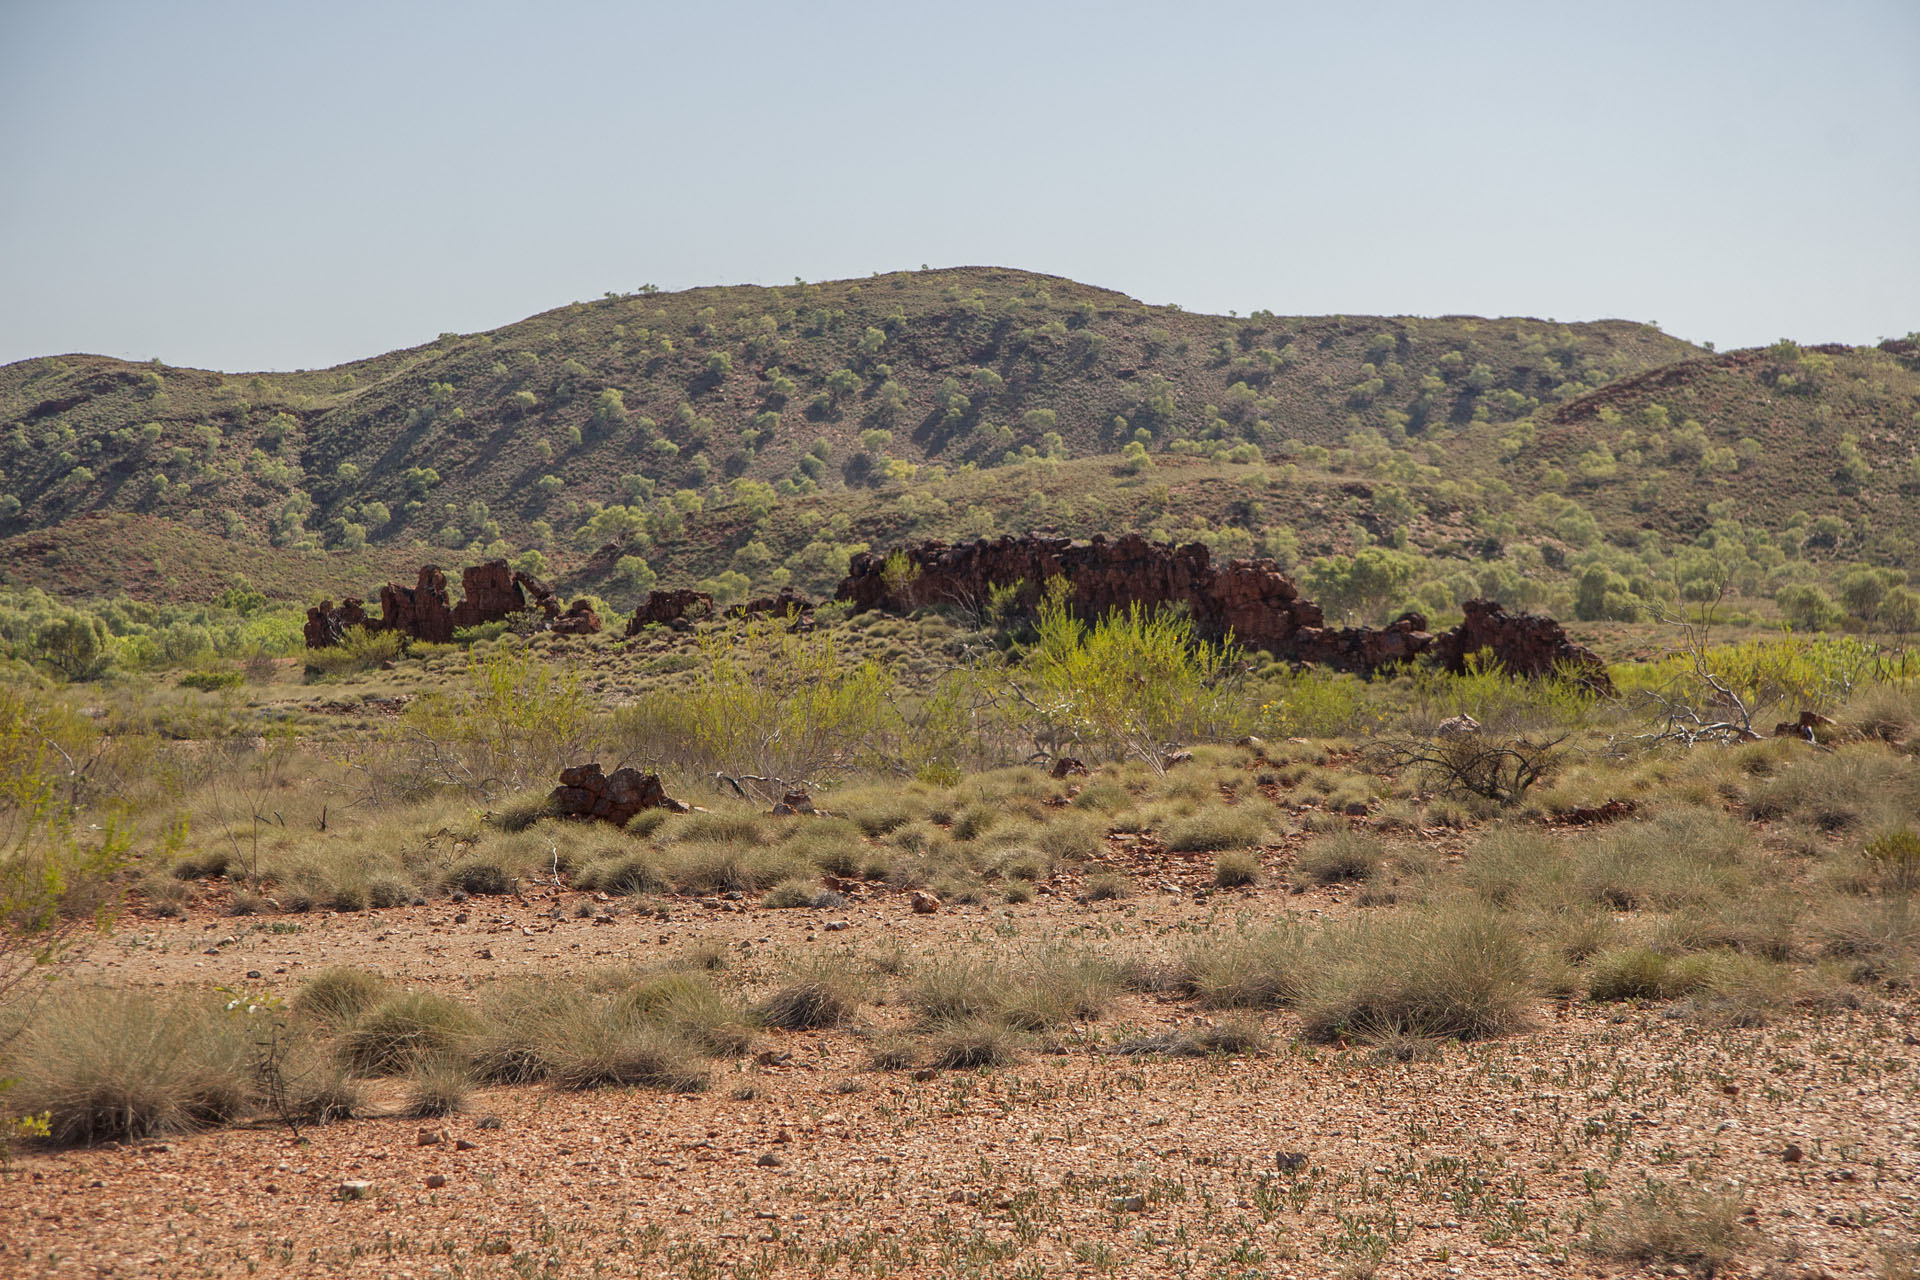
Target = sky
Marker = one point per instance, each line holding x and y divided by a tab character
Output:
258	185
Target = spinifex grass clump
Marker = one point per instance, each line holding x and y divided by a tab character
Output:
1452	971
408	1030
104	1065
822	996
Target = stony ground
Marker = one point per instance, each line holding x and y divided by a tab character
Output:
1489	1159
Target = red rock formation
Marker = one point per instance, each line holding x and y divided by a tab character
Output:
682	608
578	620
327	625
494	591
786	602
1251	599
678	609
586	792
1364	648
1523	644
422	611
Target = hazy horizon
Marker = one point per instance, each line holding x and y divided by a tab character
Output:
242	187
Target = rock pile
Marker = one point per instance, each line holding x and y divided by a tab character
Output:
585	792
493	592
1252	599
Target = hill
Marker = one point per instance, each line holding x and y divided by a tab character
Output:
751	436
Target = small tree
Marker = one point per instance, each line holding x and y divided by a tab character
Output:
1362	584
55	883
518	721
771	709
75	645
1129	684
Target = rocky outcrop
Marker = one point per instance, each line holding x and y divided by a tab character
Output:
1251	599
587	793
682	608
493	592
328	623
1364	648
787	603
678	609
1521	644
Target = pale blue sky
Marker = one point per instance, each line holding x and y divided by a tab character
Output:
262	185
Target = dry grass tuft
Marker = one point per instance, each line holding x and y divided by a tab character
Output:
106	1065
823	997
1451	972
1691	1227
406	1031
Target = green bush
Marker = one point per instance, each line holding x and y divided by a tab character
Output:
212	681
515	721
1126	684
359	650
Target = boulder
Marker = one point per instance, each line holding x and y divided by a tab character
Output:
586	792
578	620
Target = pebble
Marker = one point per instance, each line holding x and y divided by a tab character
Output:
464	1145
1130	1204
435	1181
769	1161
836	926
354	1190
1794	1153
